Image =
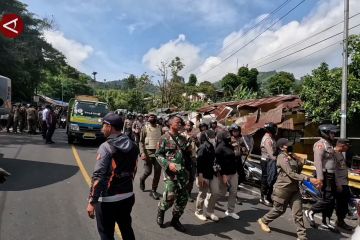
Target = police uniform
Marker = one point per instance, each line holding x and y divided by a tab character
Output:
286	192
149	138
22	118
175	191
31	119
268	149
324	161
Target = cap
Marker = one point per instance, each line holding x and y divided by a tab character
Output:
283	142
113	120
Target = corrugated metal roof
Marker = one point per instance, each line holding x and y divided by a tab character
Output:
290	100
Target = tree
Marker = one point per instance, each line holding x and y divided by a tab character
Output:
192	80
243	93
280	83
354	53
321	93
208	89
175	67
248	78
230	82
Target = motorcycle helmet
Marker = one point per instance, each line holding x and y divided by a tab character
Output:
271	128
234	127
326	129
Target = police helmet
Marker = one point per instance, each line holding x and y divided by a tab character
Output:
234	127
271	128
326	129
201	125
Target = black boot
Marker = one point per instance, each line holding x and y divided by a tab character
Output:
175	222
160	218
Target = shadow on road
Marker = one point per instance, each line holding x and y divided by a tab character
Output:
27	174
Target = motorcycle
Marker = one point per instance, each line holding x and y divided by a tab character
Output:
252	172
62	122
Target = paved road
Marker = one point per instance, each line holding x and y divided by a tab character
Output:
45	198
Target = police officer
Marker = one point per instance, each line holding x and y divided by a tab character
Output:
170	154
111	196
286	189
194	142
149	137
22	118
268	149
324	161
240	150
31	115
342	188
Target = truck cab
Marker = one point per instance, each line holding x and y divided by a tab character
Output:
84	118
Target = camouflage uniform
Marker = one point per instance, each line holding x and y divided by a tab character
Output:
175	183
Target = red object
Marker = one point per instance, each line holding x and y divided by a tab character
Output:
11	25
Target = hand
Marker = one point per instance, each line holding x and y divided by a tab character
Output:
172	167
320	184
91	210
143	157
315	181
339	189
201	181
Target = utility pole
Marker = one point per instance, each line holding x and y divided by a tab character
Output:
93	84
344	71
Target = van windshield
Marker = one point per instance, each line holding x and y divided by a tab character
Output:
91	109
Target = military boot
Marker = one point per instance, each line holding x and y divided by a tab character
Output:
175	222
160	218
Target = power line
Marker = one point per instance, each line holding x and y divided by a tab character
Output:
257	36
299	42
246	32
302	49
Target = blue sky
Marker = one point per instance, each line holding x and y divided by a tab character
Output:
116	37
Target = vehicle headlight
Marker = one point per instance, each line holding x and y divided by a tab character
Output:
74	127
100	120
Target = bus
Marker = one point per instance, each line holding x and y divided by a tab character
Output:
5	96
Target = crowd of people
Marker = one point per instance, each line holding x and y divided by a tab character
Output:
212	157
33	120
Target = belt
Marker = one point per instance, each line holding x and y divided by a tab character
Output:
328	171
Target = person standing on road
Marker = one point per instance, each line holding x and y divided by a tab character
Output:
225	157
111	197
137	125
31	115
10	119
324	161
193	142
343	194
50	126
149	138
268	162
170	154
207	179
286	189
45	114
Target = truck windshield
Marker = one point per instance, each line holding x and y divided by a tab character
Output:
91	109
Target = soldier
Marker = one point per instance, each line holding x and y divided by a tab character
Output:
22	118
193	141
286	189
128	126
170	154
342	183
149	137
324	161
31	115
268	149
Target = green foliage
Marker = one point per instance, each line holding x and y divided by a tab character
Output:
229	83
248	78
280	83
354	53
192	80
321	92
243	93
175	67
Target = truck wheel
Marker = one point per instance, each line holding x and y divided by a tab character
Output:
70	139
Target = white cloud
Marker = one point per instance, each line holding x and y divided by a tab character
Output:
209	63
76	53
327	13
187	52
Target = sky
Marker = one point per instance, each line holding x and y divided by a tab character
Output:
116	38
